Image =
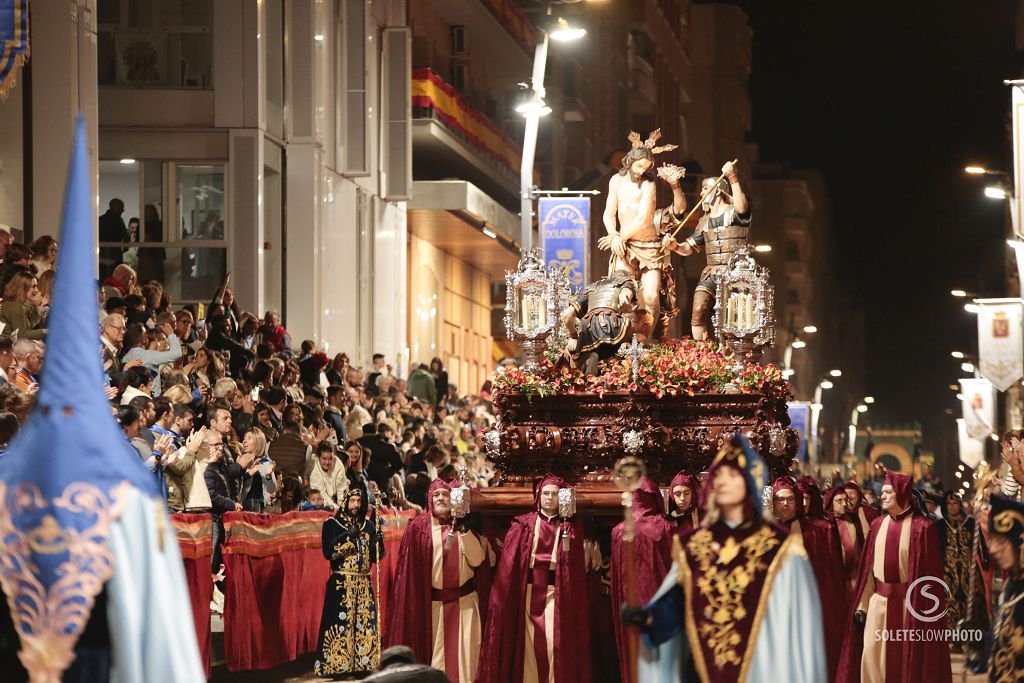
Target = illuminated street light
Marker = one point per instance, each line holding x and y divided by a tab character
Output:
975	170
958	293
826	385
810	329
564	32
869	399
836	373
862	408
996	192
957	354
971	308
799	343
763	248
967	367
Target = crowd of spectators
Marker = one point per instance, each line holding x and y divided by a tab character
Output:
228	412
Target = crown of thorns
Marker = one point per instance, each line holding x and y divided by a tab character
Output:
649	143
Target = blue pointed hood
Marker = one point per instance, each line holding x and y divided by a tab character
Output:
67	474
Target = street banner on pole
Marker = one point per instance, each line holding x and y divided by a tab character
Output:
979	407
1017	201
972	451
564	236
800	420
1000	347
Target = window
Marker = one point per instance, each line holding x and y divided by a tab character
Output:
155	43
180	238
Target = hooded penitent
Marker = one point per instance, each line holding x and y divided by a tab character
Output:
650	555
441	578
1006	660
821	540
900	549
543	578
78	509
807	486
690	517
744	593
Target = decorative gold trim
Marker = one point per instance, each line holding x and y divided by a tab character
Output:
791	547
49	620
1003	522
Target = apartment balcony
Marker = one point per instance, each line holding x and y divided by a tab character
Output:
451	139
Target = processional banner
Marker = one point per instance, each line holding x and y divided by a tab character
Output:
564	236
800	420
1000	346
972	451
13	41
978	399
1017	107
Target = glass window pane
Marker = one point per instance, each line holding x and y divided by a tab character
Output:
108	12
140	13
191	13
200	202
106	58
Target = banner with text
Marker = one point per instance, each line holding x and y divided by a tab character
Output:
564	236
978	399
972	451
800	420
1000	347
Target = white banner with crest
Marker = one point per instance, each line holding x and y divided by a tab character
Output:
972	451
1000	348
979	407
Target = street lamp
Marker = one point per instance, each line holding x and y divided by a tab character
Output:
971	308
816	407
869	399
996	192
854	418
967	367
810	329
561	32
835	373
957	354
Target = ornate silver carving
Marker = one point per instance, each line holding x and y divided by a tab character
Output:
492	443
744	315
634	351
632	441
566	502
532	302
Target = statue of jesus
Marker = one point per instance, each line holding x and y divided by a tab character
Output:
635	227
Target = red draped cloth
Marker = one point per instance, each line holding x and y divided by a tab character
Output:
195	539
275	572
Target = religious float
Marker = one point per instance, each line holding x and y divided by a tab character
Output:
670	404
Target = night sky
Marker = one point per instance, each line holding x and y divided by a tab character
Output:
891	100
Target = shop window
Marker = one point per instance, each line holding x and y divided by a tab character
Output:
181	239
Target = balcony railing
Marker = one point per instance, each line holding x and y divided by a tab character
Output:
432	98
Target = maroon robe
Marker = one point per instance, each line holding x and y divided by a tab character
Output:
652	558
810	488
408	617
863	513
850	540
684	520
502	654
926	659
821	541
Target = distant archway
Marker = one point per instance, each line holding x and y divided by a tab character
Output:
892	456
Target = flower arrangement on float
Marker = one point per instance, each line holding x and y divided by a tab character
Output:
680	367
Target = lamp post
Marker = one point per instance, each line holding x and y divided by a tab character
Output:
533	109
854	418
816	408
